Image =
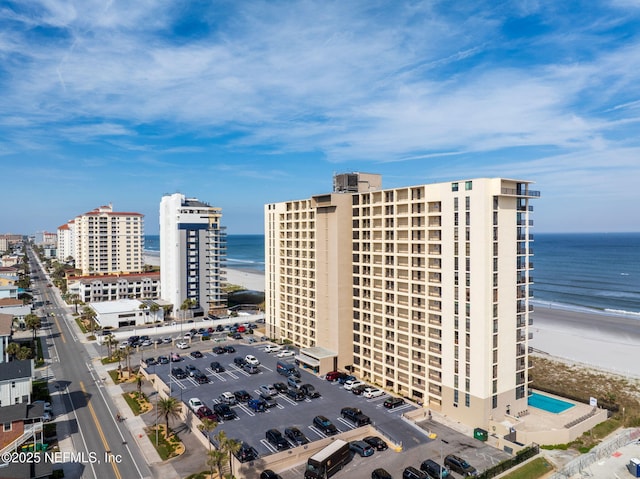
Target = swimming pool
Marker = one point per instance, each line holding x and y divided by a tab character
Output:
547	403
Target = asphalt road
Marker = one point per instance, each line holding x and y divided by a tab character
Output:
103	447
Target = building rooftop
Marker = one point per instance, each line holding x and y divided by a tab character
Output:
15	370
119	305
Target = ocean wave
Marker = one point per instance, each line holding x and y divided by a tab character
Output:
244	261
583	309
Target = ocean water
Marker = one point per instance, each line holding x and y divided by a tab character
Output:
599	271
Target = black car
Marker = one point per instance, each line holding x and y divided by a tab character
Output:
242	395
224	411
150	361
237	336
459	465
196	354
178	373
163	360
295	436
433	469
216	367
201	378
325	426
230	349
295	394
269	401
218	350
309	391
269	474
355	415
375	442
380	474
358	390
277	440
239	361
413	473
246	453
281	387
393	402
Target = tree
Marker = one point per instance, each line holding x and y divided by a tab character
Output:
33	322
13	349
111	343
186	305
89	314
24	353
216	458
154	308
144	307
228	446
207	426
74	298
169	408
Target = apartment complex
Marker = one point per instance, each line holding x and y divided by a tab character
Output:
423	290
103	241
193	246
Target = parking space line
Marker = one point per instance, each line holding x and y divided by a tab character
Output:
268	445
399	408
290	401
217	375
246	409
346	423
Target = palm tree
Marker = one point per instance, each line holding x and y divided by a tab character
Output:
186	305
33	322
154	308
144	307
111	343
207	426
215	458
24	353
90	314
169	407
13	349
74	298
228	446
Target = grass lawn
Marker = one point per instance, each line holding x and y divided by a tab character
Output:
531	470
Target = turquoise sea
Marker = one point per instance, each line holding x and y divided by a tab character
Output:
598	271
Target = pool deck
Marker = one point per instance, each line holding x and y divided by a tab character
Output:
545	427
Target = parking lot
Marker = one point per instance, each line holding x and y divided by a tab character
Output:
250	426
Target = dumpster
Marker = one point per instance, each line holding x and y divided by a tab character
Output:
634	467
480	434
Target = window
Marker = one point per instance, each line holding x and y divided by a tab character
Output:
468	185
6	426
454	186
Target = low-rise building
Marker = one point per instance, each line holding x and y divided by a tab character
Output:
16	382
127	312
92	289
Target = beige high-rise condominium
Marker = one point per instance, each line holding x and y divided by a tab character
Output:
423	290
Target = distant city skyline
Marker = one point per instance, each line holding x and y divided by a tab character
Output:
245	103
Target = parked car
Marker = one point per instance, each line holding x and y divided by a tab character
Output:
355	415
150	362
195	404
166	340
269	474
375	442
276	439
178	373
413	473
393	402
242	395
325	426
280	387
229	349
257	405
359	389
175	358
206	412
196	354
201	378
163	360
371	392
351	383
286	353
309	391
182	345
295	436
251	368
334	375
251	359
294	382
191	369
381	473
345	378
361	448
227	398
239	361
268	400
224	411
268	389
295	394
272	348
434	470
459	465
216	367
218	350
246	453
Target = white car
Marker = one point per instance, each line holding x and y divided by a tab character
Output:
352	383
287	353
272	348
182	345
268	389
195	404
252	360
372	393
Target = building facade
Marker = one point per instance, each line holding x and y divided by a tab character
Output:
92	289
423	290
65	236
193	246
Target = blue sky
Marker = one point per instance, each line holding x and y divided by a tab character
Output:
242	103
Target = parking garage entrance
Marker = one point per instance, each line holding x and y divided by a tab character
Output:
317	359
